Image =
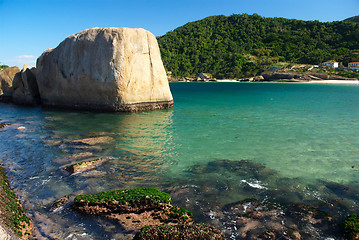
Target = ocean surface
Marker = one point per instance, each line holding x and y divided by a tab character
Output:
223	147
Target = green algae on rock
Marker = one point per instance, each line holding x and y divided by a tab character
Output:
180	231
133	208
130	197
11	212
350	227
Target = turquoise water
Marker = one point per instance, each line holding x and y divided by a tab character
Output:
302	138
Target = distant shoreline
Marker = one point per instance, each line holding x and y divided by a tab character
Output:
277	81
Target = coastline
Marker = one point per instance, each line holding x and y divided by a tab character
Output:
355	82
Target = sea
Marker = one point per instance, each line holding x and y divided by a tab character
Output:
256	160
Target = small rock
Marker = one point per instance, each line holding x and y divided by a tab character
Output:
2	125
94	140
59	203
84	165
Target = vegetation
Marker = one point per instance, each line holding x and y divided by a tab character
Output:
245	45
350	227
3	67
181	231
131	197
11	212
352	19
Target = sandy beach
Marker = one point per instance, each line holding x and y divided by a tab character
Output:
336	81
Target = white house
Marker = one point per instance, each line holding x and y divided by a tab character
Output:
331	63
353	65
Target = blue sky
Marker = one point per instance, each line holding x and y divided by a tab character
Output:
29	27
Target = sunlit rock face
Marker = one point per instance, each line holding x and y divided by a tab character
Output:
106	69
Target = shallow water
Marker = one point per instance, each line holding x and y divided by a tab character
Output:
222	143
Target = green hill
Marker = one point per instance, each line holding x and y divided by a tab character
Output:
245	45
352	19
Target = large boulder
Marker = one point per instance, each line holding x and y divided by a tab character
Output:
24	87
7	77
106	69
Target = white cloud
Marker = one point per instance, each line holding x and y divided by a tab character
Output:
26	57
29	60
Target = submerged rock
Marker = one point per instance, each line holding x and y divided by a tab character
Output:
84	165
2	125
59	203
133	208
94	140
251	219
106	69
180	231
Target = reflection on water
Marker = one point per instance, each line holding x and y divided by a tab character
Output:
37	145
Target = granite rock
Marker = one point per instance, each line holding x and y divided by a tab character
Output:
106	69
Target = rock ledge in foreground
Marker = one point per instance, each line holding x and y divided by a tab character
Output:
133	208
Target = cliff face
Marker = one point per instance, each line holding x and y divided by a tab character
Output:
109	69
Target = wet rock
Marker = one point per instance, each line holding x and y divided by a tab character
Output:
341	190
59	204
6	234
85	165
2	125
250	219
94	140
180	231
133	208
74	157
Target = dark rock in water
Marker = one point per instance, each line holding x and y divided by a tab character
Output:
133	208
341	190
2	125
180	231
84	165
243	168
250	219
93	141
59	203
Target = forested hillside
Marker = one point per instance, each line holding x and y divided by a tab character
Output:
245	45
353	19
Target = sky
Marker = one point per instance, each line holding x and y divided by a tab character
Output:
29	27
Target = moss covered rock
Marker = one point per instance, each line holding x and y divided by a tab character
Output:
180	231
133	208
12	215
350	227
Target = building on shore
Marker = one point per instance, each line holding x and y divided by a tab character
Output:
353	65
331	63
